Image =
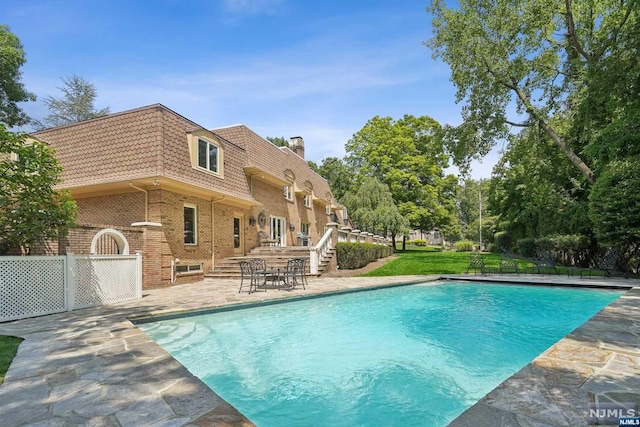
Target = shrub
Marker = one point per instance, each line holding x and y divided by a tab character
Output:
573	249
502	239
464	246
614	204
527	247
420	242
356	255
544	244
493	248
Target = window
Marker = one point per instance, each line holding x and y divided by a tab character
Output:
187	268
190	221
304	228
207	155
327	209
307	200
288	192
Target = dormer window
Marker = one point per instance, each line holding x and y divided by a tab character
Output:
208	155
206	152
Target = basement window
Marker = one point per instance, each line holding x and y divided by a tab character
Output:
188	268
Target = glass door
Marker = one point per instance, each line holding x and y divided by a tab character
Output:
238	237
278	230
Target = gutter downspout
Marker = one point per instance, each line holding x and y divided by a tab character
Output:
213	233
146	201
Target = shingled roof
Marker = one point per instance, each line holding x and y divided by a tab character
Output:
137	144
276	161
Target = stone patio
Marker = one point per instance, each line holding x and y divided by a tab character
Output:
94	367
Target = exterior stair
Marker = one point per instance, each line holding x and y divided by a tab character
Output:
276	257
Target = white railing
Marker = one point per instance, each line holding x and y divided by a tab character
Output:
37	285
317	252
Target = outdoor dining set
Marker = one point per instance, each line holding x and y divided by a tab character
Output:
255	272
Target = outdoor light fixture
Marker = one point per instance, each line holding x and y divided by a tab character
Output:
252	221
292	227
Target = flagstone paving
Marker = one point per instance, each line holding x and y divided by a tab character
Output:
94	367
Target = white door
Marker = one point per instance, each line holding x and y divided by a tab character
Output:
278	230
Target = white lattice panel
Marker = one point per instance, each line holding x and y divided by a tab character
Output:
104	280
31	286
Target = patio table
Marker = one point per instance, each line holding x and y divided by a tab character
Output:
275	276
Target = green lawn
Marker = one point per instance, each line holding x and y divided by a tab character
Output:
432	260
8	349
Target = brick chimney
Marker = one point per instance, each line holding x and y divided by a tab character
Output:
296	144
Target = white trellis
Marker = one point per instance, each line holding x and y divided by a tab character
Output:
37	285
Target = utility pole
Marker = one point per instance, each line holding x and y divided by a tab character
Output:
480	205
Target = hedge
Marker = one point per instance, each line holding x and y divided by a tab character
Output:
356	255
527	247
464	246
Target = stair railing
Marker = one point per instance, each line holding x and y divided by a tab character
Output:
317	252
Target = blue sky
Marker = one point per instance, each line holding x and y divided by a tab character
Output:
318	69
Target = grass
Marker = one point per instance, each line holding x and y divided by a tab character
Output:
433	260
8	350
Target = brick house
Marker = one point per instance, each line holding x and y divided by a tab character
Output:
185	196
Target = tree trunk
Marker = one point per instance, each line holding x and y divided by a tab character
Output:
573	157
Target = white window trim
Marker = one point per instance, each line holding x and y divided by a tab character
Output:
192	140
287	191
195	224
302	228
308	202
209	144
327	209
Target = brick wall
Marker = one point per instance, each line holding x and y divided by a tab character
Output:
116	209
294	211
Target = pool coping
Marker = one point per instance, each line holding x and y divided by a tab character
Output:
95	366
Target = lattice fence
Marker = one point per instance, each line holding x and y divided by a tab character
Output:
104	279
32	286
37	285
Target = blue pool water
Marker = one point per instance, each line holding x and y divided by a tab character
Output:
407	356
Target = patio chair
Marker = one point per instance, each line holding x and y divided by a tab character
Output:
509	264
265	240
544	261
607	263
295	273
253	271
476	263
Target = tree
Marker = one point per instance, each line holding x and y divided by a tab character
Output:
75	105
12	90
534	53
371	207
468	206
31	211
278	141
614	204
407	155
338	175
535	191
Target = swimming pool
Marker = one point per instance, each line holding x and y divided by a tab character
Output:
410	355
